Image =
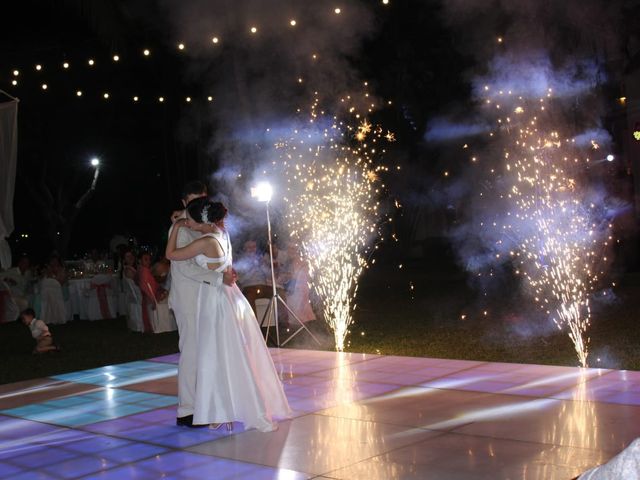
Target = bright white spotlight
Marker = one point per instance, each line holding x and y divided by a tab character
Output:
95	162
262	192
610	158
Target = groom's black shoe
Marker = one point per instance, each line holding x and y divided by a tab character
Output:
187	421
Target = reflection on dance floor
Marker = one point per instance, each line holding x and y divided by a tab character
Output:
356	416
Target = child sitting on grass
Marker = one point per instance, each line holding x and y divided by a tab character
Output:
39	331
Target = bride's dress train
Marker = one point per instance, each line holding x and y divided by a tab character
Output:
235	377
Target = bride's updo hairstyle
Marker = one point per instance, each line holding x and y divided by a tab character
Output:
202	210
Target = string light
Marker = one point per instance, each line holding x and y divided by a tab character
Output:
146	52
44	86
65	65
337	11
254	30
135	98
14	82
181	46
106	96
79	93
292	22
215	39
161	99
188	99
385	2
210	98
91	62
16	73
38	67
116	58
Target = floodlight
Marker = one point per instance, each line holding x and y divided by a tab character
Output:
262	192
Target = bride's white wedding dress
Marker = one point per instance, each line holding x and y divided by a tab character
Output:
235	377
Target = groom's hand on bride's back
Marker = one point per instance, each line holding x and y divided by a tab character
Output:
176	215
229	277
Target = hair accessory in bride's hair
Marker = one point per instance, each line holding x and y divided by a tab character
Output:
205	214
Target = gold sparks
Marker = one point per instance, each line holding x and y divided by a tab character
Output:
560	241
332	205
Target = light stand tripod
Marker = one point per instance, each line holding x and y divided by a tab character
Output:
272	310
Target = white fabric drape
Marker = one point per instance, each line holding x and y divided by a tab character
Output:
8	158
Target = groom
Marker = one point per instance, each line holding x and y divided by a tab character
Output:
186	278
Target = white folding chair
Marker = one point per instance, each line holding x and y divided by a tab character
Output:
134	304
101	298
9	310
162	317
52	309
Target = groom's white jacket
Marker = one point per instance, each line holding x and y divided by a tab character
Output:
183	295
186	279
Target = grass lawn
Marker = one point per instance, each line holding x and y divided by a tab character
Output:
395	319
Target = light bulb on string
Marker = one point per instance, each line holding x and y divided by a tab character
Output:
105	96
161	99
210	98
16	73
215	39
181	46
146	52
65	65
38	67
116	58
14	83
337	11
135	98
254	30
91	62
44	86
188	99
79	93
292	22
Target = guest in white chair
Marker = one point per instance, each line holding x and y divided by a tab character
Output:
151	291
252	276
298	285
19	280
8	308
147	282
129	269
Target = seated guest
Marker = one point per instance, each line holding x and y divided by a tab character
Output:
252	277
279	267
128	265
19	280
9	310
39	331
55	269
161	271
148	285
298	285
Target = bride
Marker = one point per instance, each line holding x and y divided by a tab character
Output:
235	376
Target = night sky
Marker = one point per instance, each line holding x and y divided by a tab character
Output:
424	56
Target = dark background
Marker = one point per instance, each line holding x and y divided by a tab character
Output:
148	150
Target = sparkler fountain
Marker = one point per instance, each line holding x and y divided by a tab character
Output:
333	209
557	233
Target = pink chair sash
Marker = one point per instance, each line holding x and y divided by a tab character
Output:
146	321
101	292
